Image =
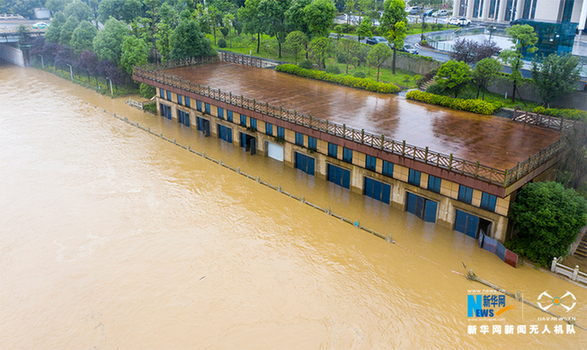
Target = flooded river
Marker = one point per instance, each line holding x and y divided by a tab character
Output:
111	238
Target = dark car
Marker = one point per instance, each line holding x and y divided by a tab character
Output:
376	40
409	49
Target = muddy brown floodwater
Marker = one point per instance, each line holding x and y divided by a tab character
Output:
111	238
494	141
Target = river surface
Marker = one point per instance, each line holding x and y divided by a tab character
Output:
112	238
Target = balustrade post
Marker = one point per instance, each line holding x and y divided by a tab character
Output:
515	112
208	90
230	97
575	273
403	148
505	178
450	162
280	112
242	105
477	169
382	141
426	155
362	135
267	108
344	131
310	121
562	121
553	265
326	125
254	105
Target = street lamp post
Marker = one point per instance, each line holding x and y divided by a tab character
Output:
491	30
42	62
71	71
111	91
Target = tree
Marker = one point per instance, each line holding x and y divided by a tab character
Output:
187	41
163	35
379	54
108	42
471	51
252	21
54	30
63	57
297	43
80	10
453	76
547	218
67	30
57	5
88	62
556	76
350	7
295	17
320	16
214	17
485	72
135	52
272	14
228	23
524	39
364	29
320	49
572	169
21	7
393	25
348	52
83	37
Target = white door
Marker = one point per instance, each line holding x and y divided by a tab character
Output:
275	151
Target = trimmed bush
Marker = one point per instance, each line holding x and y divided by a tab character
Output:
340	79
306	65
472	105
574	114
359	75
435	89
333	70
146	91
221	43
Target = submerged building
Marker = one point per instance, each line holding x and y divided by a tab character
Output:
463	174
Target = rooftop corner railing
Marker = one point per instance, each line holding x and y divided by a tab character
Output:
475	170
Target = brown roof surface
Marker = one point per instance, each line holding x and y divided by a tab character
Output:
494	141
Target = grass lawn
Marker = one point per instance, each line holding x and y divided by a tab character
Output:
245	44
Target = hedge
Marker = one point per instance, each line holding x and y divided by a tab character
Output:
471	105
574	114
346	80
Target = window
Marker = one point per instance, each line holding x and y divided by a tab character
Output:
207	108
280	132
179	99
312	143
199	105
488	201
347	155
243	120
434	183
187	102
169	95
220	113
269	129
414	177
371	163
161	93
387	168
465	194
229	115
332	150
254	123
299	139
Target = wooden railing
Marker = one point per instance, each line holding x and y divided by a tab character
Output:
240	59
543	120
424	155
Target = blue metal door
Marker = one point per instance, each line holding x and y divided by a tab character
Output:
339	176
430	213
377	190
304	163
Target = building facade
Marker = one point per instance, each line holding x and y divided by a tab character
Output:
509	10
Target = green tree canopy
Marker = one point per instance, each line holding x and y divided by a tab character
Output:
364	29
57	5
135	52
453	76
378	55
393	25
320	49
348	53
320	16
524	39
295	17
187	41
125	10
67	30
272	13
108	41
485	72
80	10
547	218
54	30
555	76
82	38
297	43
249	14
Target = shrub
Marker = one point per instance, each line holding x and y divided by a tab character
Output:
472	105
407	78
333	70
426	77
340	58
306	65
574	114
151	107
221	42
547	217
417	77
435	89
340	79
147	91
424	43
359	75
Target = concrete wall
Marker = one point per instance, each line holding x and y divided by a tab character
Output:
413	64
12	55
446	199
578	100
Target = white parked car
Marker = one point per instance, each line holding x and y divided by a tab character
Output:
463	22
440	13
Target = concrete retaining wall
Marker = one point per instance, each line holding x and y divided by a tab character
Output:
12	55
413	64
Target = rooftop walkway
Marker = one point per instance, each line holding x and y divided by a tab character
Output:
494	141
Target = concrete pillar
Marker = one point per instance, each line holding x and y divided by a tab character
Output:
485	15
520	9
456	8
583	16
470	7
501	13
